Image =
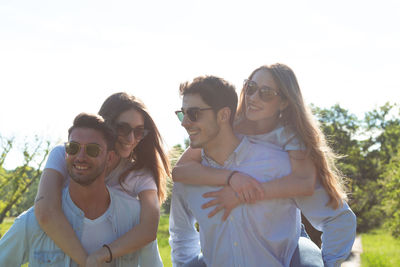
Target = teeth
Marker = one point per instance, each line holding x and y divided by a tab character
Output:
192	132
81	167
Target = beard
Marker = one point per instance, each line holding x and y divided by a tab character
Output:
86	179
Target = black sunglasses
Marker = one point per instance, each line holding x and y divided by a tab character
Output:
264	92
192	113
92	150
124	129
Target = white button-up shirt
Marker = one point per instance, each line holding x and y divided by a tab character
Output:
261	234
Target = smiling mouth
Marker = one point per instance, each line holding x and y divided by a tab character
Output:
192	132
252	107
81	167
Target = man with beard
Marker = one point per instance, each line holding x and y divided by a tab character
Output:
98	214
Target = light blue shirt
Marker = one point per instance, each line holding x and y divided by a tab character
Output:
261	234
338	226
25	241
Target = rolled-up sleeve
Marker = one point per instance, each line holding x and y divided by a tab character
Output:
338	226
13	245
184	238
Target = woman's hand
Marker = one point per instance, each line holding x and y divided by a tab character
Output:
248	189
97	258
224	199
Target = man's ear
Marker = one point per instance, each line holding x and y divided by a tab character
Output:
224	115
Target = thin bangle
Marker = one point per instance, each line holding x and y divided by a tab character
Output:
109	250
228	180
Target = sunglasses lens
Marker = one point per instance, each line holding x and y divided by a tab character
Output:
251	88
140	133
180	115
72	148
92	150
123	129
266	94
192	114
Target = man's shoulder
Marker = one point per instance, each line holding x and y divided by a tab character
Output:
123	198
258	149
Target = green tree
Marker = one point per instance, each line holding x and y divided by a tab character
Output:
173	155
15	184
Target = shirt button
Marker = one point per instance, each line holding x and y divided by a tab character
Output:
231	218
235	244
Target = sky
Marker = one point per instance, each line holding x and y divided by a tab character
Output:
60	58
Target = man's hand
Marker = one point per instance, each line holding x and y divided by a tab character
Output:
248	189
224	199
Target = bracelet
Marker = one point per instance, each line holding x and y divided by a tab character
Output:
230	177
109	250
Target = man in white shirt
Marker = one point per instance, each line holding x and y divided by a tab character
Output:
97	213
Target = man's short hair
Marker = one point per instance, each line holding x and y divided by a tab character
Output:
215	92
95	122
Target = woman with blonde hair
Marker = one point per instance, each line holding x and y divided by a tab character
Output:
272	110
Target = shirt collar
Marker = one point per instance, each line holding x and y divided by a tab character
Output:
75	209
237	156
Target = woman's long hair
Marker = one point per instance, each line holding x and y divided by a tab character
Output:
297	117
148	153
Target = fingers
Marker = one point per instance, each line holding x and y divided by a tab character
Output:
211	194
215	211
210	203
226	214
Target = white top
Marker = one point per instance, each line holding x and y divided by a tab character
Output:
134	183
97	232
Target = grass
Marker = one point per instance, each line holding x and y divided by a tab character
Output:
380	249
7	222
162	237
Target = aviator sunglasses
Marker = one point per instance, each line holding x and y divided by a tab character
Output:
124	129
192	113
92	150
264	92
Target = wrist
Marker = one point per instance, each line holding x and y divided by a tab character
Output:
106	254
229	178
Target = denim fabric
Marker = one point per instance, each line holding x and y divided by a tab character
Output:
25	241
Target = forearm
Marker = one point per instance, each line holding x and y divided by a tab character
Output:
196	174
287	187
141	234
300	182
51	218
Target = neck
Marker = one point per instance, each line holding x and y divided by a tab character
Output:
113	163
258	127
222	146
93	199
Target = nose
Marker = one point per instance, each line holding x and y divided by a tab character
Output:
81	153
185	121
254	97
131	137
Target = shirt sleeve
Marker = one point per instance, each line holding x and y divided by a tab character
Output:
184	238
338	226
138	181
150	256
56	161
13	245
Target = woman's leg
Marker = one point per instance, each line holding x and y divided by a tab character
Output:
307	254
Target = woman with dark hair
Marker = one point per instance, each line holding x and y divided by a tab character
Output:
140	169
